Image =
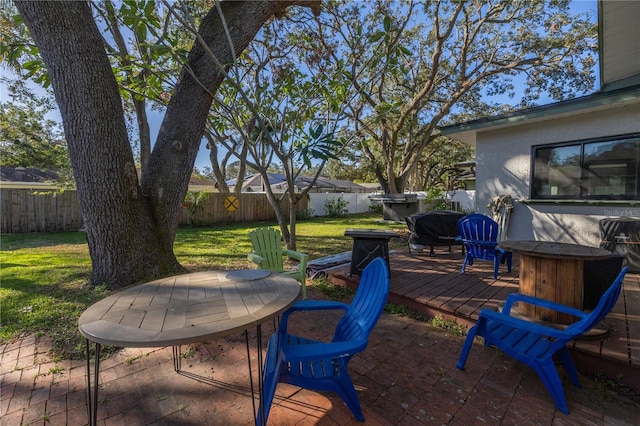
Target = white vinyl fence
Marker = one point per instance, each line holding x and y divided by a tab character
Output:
357	202
465	199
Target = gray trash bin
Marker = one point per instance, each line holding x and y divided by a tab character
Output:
598	277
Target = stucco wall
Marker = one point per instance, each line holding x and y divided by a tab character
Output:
503	167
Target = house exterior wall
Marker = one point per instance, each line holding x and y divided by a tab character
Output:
504	167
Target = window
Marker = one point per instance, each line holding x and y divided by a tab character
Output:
594	169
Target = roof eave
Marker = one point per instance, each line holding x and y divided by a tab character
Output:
466	132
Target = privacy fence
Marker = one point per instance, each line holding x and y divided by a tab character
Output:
25	210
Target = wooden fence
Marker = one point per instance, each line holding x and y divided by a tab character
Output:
25	210
251	207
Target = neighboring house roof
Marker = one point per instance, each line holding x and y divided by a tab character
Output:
31	177
254	183
372	186
27	177
201	181
326	184
201	184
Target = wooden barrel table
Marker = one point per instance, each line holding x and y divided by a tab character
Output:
553	271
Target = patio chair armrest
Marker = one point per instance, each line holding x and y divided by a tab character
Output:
314	305
295	353
300	257
308	305
524	324
519	297
253	257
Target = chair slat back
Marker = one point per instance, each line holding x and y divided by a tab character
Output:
479	234
367	305
267	244
604	306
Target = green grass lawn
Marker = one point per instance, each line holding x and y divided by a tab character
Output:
44	277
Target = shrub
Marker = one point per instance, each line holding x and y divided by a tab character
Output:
305	214
336	207
375	208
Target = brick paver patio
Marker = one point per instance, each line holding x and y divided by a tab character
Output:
407	376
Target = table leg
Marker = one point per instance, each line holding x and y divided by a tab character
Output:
177	359
260	367
92	399
260	378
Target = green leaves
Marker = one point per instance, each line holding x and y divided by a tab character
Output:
28	138
319	146
387	24
391	53
18	50
317	132
141	17
377	36
158	50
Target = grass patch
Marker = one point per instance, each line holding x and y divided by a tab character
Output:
332	291
337	292
604	385
45	276
450	325
44	289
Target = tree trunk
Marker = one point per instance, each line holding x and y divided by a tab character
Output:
242	169
144	133
293	203
215	165
131	227
123	243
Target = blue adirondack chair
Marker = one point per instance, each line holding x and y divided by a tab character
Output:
535	344
479	234
322	366
268	254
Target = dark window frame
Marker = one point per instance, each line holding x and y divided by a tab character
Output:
582	179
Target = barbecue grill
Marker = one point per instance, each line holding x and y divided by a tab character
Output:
435	228
621	235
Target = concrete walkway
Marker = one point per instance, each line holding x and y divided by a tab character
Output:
407	376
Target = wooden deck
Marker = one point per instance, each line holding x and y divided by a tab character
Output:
434	286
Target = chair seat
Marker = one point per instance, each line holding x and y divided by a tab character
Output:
317	368
522	342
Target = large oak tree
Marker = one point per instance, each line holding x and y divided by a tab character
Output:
416	64
131	224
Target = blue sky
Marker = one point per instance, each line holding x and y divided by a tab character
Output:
202	161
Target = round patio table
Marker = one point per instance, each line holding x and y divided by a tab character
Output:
553	271
184	309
